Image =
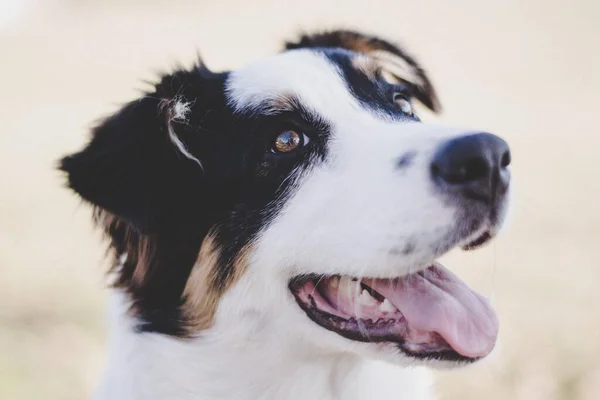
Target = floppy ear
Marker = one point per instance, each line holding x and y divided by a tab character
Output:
135	166
392	59
143	174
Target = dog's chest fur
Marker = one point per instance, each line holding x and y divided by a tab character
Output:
227	366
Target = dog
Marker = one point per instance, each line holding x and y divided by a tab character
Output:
274	229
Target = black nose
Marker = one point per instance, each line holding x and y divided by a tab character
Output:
474	165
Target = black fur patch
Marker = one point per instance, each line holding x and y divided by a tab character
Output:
372	92
157	206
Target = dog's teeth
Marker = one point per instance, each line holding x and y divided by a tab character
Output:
366	299
349	287
334	282
387	306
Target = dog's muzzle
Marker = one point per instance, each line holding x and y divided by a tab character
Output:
473	167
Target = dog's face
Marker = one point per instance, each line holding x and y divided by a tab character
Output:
300	198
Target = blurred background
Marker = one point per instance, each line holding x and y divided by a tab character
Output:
527	70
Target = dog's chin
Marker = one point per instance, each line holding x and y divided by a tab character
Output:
429	314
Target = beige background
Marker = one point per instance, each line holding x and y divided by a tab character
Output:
527	70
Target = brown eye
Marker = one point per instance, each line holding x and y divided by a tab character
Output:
403	104
288	141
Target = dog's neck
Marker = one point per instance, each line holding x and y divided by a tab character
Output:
220	366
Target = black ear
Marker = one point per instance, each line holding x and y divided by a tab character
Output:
135	166
392	58
143	172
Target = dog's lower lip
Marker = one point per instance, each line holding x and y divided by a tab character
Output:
478	242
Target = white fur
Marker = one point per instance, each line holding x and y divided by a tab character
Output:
248	362
179	111
352	214
367	209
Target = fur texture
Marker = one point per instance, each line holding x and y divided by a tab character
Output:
209	223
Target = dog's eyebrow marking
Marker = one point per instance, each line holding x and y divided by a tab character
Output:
405	160
284	102
397	66
178	110
290	102
391	68
366	65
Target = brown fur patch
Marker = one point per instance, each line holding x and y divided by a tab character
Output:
206	283
283	102
358	43
393	68
367	65
203	290
137	248
204	287
397	67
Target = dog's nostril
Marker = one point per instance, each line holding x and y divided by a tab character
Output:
505	161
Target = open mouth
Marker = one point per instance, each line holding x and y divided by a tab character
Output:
428	314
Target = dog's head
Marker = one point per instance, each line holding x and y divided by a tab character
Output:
301	196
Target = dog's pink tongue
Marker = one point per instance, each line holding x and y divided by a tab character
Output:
436	300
